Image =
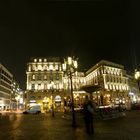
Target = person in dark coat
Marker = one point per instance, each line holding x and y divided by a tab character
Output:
88	109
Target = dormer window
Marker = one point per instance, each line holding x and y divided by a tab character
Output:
40	60
35	60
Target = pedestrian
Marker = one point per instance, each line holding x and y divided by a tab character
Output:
88	109
52	110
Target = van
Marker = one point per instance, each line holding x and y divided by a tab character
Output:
33	110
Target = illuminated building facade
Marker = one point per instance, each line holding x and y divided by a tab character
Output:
112	79
137	77
44	79
48	85
136	82
16	97
134	94
6	79
78	80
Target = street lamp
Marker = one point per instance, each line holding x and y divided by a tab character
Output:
70	65
52	90
137	77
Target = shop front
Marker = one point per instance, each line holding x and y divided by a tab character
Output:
58	103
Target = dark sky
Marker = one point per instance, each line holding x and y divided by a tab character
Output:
90	30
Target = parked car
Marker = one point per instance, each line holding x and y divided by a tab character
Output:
33	110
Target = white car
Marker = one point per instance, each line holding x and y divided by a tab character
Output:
33	110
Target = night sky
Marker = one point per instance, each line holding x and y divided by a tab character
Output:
90	30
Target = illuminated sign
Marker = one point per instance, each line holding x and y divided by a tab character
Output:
32	101
57	98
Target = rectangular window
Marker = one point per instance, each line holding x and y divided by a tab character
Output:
45	86
45	77
33	77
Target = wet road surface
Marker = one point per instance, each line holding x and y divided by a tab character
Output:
45	127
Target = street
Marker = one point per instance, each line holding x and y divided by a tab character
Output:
17	126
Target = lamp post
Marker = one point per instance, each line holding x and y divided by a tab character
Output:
70	66
137	77
52	90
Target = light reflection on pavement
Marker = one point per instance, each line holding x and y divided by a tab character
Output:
17	126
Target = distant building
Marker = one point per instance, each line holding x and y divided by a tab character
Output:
134	92
6	79
47	84
16	96
9	90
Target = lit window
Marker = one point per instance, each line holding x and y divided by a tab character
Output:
33	67
29	87
111	70
42	86
33	77
39	67
40	60
29	68
45	76
45	86
45	67
56	67
113	87
45	60
48	68
51	67
96	73
36	87
106	86
59	86
115	71
39	86
108	71
35	60
110	86
127	88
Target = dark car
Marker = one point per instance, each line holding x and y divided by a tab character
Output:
135	106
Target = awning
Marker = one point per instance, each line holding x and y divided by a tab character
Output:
91	88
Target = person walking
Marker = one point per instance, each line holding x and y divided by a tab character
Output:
52	110
88	109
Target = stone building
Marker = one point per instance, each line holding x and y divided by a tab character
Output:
113	82
6	79
48	85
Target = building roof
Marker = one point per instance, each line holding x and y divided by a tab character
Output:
5	69
105	63
48	59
